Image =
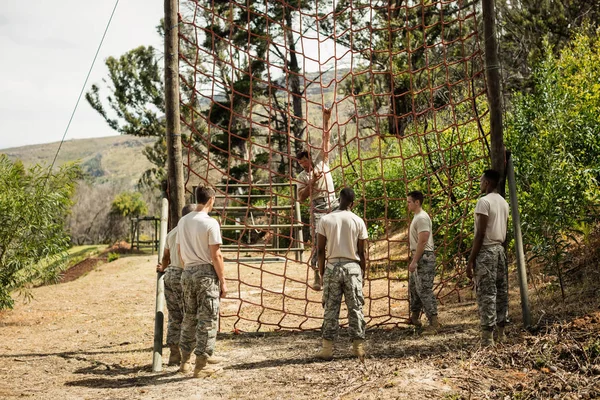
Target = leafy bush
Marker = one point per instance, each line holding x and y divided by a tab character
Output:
33	207
555	138
113	256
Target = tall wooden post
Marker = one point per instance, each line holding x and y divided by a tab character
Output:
173	128
494	94
159	313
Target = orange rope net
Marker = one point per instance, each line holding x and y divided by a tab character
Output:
406	83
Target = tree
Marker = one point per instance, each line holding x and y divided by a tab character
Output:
129	204
554	135
34	204
523	25
135	104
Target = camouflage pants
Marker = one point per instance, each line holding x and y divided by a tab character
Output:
201	309
174	298
492	286
343	278
420	285
318	208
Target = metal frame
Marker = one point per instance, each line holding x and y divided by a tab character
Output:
297	237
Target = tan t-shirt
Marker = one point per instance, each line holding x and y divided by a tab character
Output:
323	188
420	223
496	208
343	229
195	232
171	245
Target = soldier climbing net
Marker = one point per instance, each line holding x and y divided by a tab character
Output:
405	79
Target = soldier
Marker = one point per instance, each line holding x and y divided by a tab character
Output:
173	268
343	237
487	261
422	265
316	182
203	281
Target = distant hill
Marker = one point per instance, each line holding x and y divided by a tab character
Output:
112	158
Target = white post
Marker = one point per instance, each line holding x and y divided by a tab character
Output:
521	271
159	317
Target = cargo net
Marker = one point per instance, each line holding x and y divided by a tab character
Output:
405	82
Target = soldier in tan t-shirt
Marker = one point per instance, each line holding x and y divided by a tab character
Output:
487	262
316	183
422	265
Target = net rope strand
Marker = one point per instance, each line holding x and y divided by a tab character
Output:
406	85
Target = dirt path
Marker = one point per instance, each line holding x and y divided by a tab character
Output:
92	339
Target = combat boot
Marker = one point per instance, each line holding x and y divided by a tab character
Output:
202	370
358	348
434	326
317	282
415	319
501	338
175	356
216	360
186	365
326	352
487	338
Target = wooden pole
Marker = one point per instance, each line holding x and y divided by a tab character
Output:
494	94
173	128
516	218
159	315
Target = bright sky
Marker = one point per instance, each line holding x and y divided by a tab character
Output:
47	49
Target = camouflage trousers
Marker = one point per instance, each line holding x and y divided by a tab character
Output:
201	309
492	286
174	298
420	285
343	278
318	208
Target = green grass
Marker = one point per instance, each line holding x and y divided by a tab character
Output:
80	253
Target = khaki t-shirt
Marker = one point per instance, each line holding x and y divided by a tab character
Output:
496	208
323	188
343	229
195	232
420	223
171	245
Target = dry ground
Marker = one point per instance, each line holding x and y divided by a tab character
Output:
91	338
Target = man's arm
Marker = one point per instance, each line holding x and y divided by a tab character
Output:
362	254
219	265
322	242
326	134
304	192
166	260
482	223
179	254
423	237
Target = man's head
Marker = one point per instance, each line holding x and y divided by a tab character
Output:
489	181
205	197
415	200
304	160
347	197
188	208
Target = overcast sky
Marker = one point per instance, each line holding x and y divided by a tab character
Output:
47	48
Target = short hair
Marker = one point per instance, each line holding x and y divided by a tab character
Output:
188	208
204	194
493	176
347	195
417	195
302	154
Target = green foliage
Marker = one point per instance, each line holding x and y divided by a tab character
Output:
135	104
112	257
33	207
128	204
555	138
